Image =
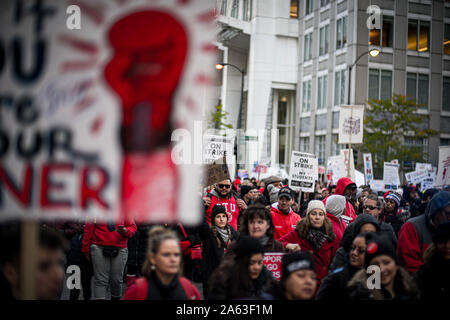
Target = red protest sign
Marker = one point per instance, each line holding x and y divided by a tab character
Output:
272	261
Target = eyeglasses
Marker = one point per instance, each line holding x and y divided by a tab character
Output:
370	207
358	250
224	186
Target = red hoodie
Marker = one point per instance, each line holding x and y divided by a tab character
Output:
340	187
284	223
100	235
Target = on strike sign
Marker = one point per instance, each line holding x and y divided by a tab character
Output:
272	261
303	172
87	109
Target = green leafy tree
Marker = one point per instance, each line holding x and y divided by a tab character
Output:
387	123
218	118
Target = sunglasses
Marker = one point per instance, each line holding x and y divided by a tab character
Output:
221	186
370	207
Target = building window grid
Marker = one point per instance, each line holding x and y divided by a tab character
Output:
309	6
335	146
323	3
294	9
421	144
446	94
235	9
383	37
320	149
247	14
304	144
380	84
446	43
308	39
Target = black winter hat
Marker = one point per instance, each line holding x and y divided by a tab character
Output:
247	246
296	261
362	219
218	208
442	232
378	244
286	192
246	189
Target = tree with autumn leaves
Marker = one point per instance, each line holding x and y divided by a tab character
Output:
386	125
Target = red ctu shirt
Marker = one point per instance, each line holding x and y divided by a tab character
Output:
284	223
230	205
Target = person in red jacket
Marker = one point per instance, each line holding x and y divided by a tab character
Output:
284	218
416	234
161	271
335	209
106	246
347	188
223	195
315	234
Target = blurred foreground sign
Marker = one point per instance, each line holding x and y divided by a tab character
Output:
86	115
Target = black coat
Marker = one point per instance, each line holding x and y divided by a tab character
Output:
404	286
433	279
334	284
137	249
212	254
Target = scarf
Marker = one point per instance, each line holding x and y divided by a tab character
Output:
316	237
223	234
263	240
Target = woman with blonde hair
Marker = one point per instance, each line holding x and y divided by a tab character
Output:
315	234
161	271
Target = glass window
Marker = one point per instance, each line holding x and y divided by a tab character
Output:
323	40
386	85
417	88
388	31
446	94
323	3
418	35
247	10
294	9
412	34
282	144
304	144
373	83
308	46
306	96
335	146
320	149
282	110
411	79
308	6
374	37
339	87
223	8
341	32
322	92
447	39
235	9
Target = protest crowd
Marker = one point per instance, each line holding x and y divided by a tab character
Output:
325	244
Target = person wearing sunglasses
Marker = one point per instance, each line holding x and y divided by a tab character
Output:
223	195
334	284
373	205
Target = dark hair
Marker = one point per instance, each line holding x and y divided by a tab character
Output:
257	211
330	187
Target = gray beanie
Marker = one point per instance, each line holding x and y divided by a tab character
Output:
273	193
336	205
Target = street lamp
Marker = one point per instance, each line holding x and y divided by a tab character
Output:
220	66
373	52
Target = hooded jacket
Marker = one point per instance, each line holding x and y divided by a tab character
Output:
284	223
416	234
340	187
230	205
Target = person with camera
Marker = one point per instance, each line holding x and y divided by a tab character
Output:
106	245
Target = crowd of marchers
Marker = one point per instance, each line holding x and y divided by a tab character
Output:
342	242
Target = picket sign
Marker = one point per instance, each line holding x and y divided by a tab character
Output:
272	261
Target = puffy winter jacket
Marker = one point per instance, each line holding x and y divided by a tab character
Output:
230	205
100	234
322	257
340	187
284	223
416	234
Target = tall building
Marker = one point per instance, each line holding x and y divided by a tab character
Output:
414	38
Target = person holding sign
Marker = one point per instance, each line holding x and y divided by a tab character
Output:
284	218
314	233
